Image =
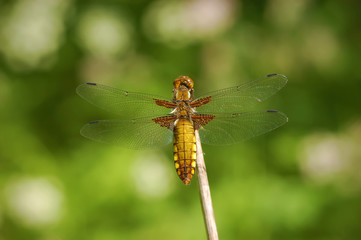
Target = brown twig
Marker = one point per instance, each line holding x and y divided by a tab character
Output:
205	193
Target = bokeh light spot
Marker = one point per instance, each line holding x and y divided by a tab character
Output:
181	22
285	13
103	33
333	158
321	47
152	176
31	32
35	201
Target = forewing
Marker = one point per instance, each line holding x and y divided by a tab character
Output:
123	103
131	133
242	97
226	129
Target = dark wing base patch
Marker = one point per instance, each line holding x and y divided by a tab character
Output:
165	121
200	120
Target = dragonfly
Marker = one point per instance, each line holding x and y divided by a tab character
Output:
221	117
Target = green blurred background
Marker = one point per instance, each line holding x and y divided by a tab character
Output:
301	181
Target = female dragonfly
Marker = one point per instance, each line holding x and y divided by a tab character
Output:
150	120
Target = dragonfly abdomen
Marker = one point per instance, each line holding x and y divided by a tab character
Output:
185	150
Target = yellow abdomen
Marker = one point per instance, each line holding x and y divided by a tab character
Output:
185	150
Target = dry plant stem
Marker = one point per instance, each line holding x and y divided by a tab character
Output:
205	193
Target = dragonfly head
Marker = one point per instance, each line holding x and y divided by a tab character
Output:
183	81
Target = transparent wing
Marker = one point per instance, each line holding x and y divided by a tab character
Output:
227	129
123	103
242	97
131	133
